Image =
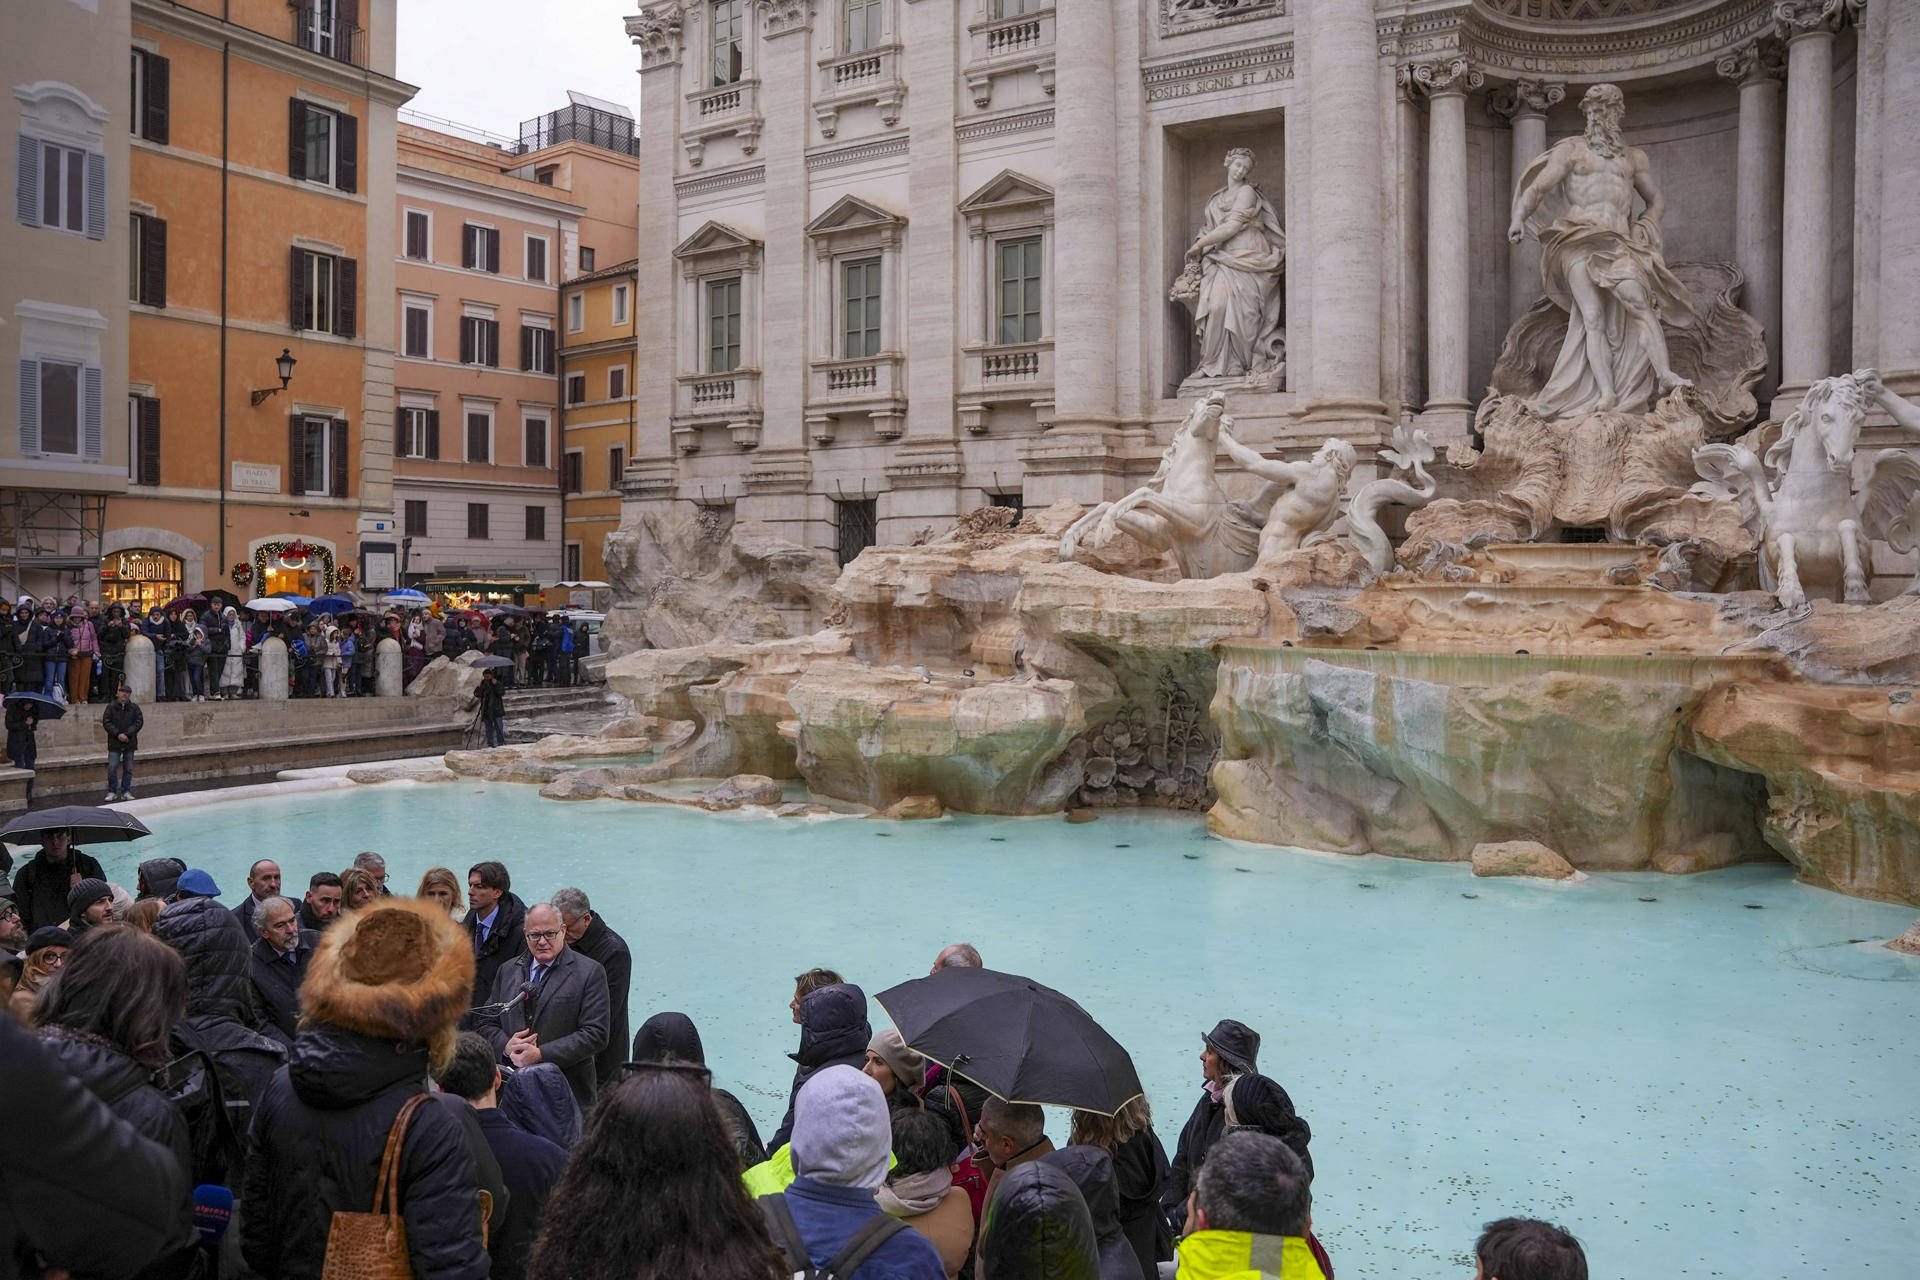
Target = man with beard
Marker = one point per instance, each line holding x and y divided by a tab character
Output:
322	905
40	888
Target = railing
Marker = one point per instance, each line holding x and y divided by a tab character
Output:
317	28
1006	366
853	379
848	74
719	103
713	393
1012	36
576	123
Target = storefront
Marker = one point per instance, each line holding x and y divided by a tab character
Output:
140	580
472	592
295	566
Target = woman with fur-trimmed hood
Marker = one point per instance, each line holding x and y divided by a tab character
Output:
382	1003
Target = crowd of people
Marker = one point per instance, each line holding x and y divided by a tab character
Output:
461	1058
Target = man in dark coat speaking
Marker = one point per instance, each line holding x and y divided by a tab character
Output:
552	1006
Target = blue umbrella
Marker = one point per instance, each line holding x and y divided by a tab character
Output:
50	708
332	604
291	597
407	596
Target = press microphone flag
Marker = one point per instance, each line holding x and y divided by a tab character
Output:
212	1212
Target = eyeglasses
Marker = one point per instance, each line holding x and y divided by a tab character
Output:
544	935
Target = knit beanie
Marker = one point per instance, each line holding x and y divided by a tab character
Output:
85	894
841	1133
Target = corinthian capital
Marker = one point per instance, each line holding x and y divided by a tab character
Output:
779	17
1525	98
656	29
1443	76
1799	17
1761	59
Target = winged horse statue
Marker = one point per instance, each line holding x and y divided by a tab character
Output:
1814	530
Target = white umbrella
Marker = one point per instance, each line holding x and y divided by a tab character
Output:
270	605
407	596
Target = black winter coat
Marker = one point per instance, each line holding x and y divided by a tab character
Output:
78	1185
507	939
314	1149
118	719
124	1085
40	887
1037	1227
1092	1171
604	945
1140	1175
493	700
1203	1129
223	1008
833	1032
277	982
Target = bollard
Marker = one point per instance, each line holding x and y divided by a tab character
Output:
140	673
387	668
273	669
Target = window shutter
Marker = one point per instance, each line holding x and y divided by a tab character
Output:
526	348
153	261
346	297
337	458
159	97
297	293
296	455
147	446
296	138
433	434
493	252
490	335
92	409
467	330
29	407
27	188
346	173
96	196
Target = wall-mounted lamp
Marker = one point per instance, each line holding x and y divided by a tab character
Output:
284	367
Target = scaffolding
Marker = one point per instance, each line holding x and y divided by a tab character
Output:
49	532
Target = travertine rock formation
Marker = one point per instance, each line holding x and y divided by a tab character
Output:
1520	858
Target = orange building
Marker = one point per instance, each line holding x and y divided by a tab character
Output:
596	368
273	189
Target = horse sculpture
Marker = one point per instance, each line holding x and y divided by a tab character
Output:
1800	504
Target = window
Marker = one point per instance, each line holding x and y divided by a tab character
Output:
419	433
576	388
321	29
855	520
723	325
480	248
317	457
419	235
479	341
535	454
61	407
620	304
479	436
416	518
586	260
576	312
1019	290
143	440
859	24
544	174
325	293
573	468
476	520
536	348
1014	502
151	96
536	524
729	36
536	257
61	174
617	382
570	563
417	332
63	188
147	260
1015	8
860	308
616	465
323	145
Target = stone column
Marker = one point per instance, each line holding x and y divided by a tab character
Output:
1899	265
658	327
1525	104
387	669
1086	251
1449	302
140	674
1807	217
273	669
1758	68
1344	202
1411	216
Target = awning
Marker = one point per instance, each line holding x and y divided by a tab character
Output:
520	585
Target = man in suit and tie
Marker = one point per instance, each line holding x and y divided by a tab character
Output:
278	960
496	921
554	1006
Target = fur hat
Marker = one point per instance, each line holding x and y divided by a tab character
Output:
399	969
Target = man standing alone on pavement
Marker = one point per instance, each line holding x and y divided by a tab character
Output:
123	721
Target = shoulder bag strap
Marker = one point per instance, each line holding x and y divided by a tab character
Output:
866	1241
966	1121
785	1231
386	1197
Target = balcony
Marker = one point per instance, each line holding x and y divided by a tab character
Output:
840	391
1011	373
703	400
721	111
1004	47
317	28
869	77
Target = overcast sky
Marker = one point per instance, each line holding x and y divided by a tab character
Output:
493	63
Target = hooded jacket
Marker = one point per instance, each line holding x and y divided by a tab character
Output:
1038	1228
539	1100
40	887
1092	1171
160	876
833	1032
223	1011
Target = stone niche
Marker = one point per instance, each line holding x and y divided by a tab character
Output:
1194	165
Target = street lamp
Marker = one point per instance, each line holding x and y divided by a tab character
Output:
284	367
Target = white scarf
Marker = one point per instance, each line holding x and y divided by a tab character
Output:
918	1193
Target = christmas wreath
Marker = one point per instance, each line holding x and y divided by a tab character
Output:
298	555
242	573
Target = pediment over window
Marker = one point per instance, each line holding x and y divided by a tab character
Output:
1009	190
851	213
715	238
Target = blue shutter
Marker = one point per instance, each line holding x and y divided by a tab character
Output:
96	196
27	192
93	382
29	407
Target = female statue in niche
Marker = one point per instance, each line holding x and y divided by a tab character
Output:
1231	282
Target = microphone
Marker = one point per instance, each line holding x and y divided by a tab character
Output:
212	1212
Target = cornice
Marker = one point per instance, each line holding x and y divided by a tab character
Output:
859	153
727	180
1626	49
1218	70
434	180
210	32
1017	122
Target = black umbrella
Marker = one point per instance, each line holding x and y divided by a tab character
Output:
491	660
88	825
50	708
1018	1040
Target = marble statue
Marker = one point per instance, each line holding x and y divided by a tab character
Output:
1305	496
1182	509
1602	266
1799	502
1411	451
1231	282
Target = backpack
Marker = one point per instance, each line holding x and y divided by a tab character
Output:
865	1242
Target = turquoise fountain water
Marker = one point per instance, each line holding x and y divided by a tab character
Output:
1699	1077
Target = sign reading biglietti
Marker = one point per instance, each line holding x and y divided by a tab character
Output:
256	477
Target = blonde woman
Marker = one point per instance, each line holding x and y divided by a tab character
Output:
1139	1172
357	888
440	885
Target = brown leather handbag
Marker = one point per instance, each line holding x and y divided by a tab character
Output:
373	1246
